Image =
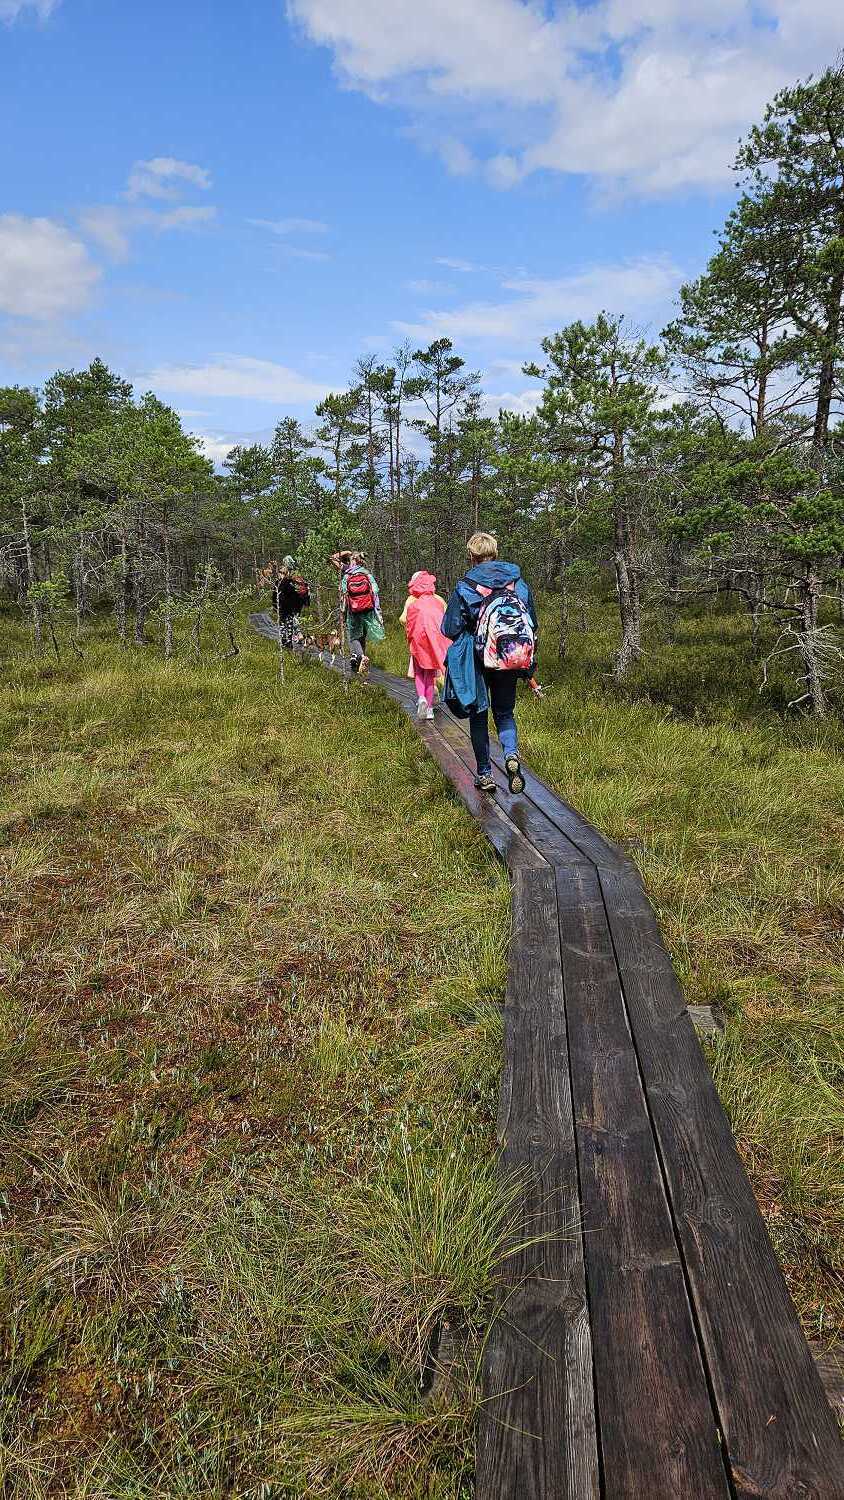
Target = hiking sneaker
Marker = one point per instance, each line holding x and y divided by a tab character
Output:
485	782
422	708
429	712
515	779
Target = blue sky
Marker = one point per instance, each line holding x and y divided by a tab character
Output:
231	202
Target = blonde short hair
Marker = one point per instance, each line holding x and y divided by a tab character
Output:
482	546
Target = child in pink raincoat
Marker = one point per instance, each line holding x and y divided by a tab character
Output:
421	617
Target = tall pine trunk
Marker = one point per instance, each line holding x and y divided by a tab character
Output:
626	577
122	600
36	608
79	584
168	596
808	641
826	380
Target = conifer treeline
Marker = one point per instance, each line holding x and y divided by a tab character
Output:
709	461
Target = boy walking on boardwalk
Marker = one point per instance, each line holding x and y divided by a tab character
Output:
361	607
492	624
422	617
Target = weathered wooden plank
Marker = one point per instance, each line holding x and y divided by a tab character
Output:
555	846
830	1366
708	1020
506	839
593	846
536	1432
657	1426
533	975
780	1433
536	1429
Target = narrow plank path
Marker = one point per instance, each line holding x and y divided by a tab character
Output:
645	1345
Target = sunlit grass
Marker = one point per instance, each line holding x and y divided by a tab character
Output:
230	905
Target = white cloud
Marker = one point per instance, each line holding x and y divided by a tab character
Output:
108	226
455	155
424	287
524	403
239	376
216	447
45	271
454	263
537	306
184	217
642	95
165	180
297	252
11	9
290	226
163	176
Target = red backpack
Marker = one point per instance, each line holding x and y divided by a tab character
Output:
359	591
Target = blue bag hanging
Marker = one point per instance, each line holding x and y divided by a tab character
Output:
465	688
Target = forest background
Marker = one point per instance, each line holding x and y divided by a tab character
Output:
703	466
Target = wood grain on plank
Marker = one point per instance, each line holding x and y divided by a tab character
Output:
536	1435
657	1426
593	845
554	845
507	840
780	1432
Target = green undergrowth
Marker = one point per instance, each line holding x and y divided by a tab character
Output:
733	808
253	957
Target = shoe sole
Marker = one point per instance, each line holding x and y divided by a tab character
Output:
515	779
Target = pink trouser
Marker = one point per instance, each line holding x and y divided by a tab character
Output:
424	679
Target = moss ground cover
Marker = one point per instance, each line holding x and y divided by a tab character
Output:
252	954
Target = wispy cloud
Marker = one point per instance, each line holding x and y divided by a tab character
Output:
152	202
186	216
108	225
454	263
533	306
298	252
11	9
423	286
284	227
281	229
645	95
164	177
238	376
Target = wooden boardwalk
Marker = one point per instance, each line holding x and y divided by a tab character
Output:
645	1347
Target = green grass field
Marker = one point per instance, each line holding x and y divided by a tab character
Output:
253	958
253	955
733	809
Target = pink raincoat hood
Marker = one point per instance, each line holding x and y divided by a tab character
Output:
422	583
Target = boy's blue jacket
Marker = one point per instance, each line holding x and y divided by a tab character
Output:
465	685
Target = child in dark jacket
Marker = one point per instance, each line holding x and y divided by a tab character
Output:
497	689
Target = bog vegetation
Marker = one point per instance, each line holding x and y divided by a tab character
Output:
253	952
